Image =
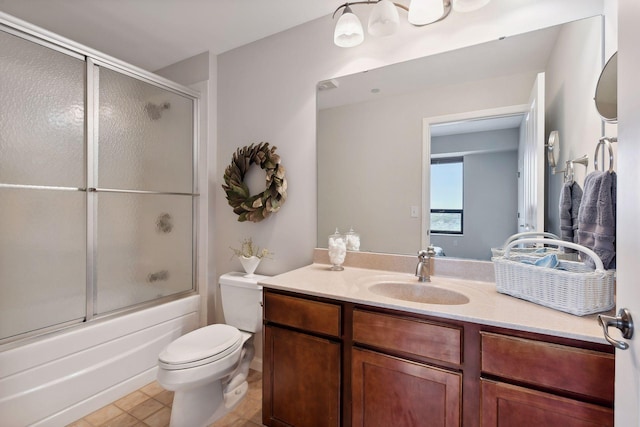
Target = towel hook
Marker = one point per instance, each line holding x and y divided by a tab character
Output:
569	169
606	141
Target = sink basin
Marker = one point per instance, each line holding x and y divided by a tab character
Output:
418	292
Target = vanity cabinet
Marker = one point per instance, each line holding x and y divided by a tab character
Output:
389	387
531	382
330	363
302	362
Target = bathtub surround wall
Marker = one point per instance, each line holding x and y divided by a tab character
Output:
267	92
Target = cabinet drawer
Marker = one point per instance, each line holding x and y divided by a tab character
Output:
411	336
312	316
560	367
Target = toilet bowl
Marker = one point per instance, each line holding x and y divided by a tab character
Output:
207	368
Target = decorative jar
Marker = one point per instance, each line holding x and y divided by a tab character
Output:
353	240
337	249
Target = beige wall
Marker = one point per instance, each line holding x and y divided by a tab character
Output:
569	108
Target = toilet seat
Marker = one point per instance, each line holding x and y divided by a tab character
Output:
200	347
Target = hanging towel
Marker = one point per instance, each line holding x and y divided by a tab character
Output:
597	217
570	198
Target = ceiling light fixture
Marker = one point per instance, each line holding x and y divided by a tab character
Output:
384	19
348	31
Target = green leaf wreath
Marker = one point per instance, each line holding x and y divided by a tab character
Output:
258	207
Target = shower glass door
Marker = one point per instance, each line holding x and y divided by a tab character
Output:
97	186
42	181
144	182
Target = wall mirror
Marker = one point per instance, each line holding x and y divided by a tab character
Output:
606	97
380	132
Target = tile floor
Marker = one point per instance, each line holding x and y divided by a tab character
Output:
150	406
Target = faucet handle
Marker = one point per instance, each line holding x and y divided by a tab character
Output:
423	254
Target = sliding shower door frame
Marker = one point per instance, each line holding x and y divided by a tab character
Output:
93	60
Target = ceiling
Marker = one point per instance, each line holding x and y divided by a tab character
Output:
155	33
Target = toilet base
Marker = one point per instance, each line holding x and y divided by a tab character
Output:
235	396
202	405
199	406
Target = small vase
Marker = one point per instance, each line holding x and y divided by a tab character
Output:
249	264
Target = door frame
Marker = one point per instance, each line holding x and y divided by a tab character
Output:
427	122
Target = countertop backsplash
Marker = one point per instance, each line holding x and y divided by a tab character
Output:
440	266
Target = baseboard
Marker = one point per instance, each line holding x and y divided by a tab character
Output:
256	364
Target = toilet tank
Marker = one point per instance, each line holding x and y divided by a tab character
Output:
242	301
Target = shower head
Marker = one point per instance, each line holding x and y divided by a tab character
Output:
155	111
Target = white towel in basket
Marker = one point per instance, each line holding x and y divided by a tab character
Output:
549	261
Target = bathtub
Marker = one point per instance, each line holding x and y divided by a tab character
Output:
57	379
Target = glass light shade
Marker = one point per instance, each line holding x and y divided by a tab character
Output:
384	19
423	12
348	32
468	5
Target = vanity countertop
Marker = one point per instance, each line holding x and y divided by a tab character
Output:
486	306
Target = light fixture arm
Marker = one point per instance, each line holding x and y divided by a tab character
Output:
447	11
342	6
446	3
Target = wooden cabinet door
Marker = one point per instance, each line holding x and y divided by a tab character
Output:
301	379
507	405
388	391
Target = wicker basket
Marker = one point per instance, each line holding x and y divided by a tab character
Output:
574	288
534	251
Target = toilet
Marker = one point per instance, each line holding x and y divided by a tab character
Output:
207	368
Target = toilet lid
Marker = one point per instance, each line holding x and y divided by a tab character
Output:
200	344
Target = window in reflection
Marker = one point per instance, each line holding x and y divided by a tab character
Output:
447	195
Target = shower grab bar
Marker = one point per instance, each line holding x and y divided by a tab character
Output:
113	190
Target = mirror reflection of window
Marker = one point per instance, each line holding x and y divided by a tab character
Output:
447	195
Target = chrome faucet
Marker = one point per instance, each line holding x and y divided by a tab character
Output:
422	269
